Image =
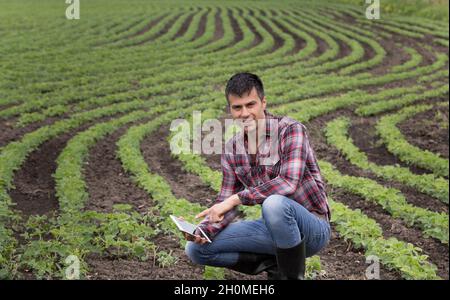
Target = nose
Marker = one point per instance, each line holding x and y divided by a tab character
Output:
244	112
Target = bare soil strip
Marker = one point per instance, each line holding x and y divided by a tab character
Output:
149	26
10	133
299	43
184	27
258	37
279	42
202	26
161	32
218	31
238	34
428	130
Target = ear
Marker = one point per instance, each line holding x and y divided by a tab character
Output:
263	101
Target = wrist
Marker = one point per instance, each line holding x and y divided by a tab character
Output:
235	200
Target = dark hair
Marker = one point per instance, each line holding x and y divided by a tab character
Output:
242	83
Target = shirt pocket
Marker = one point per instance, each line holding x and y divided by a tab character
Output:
244	175
272	171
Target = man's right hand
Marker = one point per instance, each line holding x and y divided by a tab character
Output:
196	239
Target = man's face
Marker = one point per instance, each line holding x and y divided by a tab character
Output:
248	109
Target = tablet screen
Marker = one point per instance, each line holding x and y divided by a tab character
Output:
183	225
188	227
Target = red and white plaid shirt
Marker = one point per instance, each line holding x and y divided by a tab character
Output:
292	172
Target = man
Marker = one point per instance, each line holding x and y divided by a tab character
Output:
288	185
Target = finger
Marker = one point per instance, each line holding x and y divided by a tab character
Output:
216	218
188	237
202	214
213	218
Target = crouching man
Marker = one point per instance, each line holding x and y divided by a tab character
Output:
285	182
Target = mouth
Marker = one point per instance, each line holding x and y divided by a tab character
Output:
248	122
249	125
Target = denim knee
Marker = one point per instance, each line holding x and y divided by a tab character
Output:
276	209
194	252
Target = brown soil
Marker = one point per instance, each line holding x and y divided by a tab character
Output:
184	26
147	27
299	43
279	42
238	34
395	56
202	26
322	46
258	37
163	31
365	138
344	49
156	151
218	31
132	269
106	180
35	186
11	133
427	130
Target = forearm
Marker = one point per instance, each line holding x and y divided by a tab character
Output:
257	195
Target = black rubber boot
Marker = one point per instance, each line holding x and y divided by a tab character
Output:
254	263
291	262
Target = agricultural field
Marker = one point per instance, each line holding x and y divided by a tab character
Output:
87	177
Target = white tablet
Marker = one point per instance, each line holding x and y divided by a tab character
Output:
188	227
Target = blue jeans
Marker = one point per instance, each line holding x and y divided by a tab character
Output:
282	223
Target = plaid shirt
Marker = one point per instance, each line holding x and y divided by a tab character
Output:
290	170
